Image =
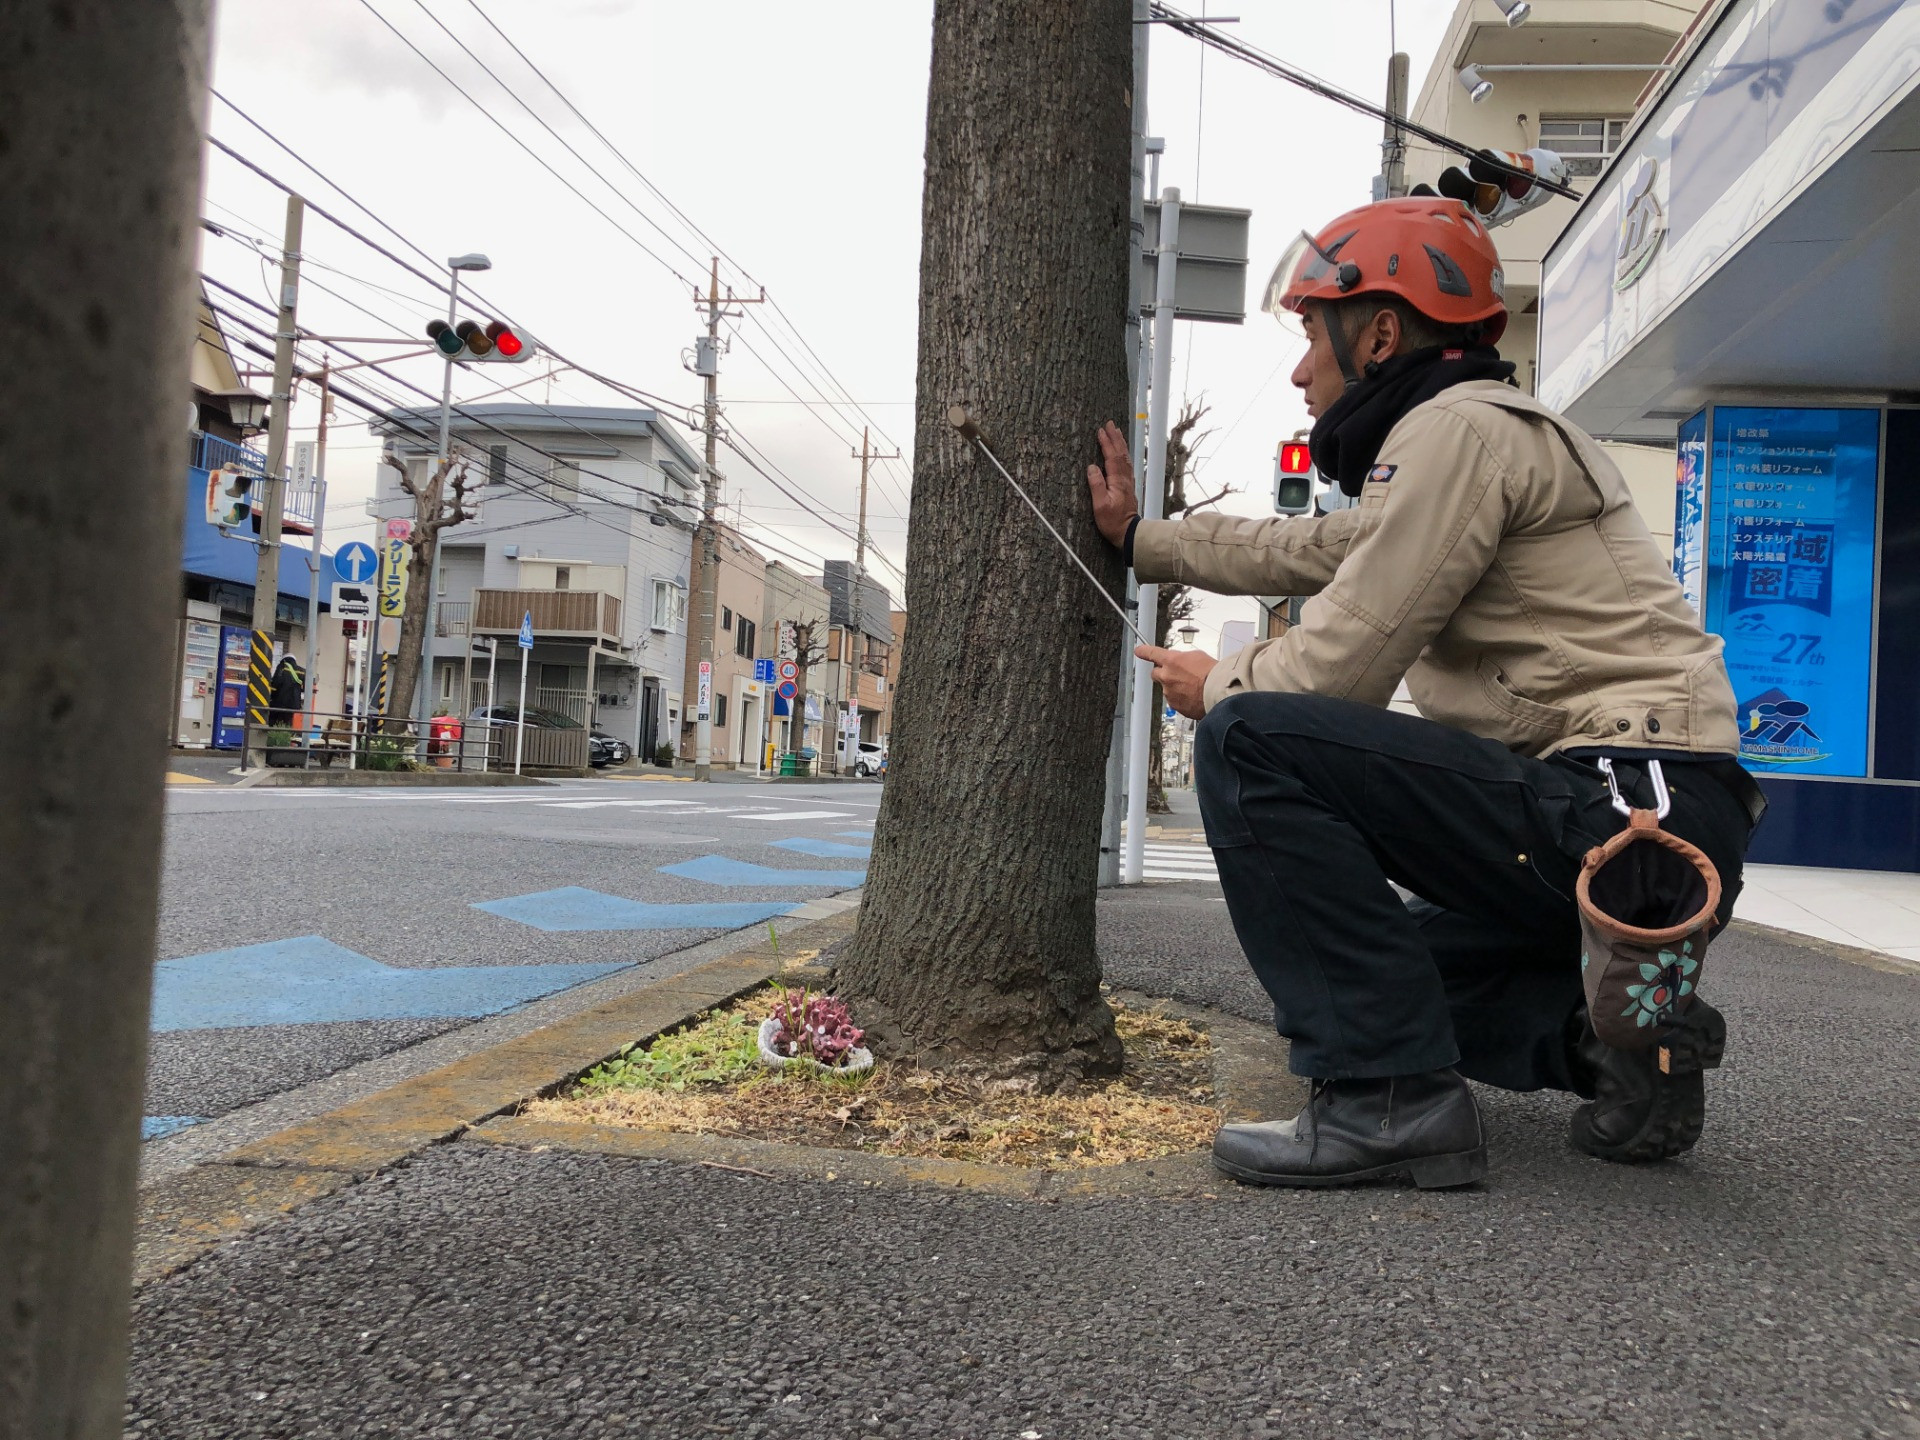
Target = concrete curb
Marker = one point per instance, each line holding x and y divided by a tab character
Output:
188	1213
426	779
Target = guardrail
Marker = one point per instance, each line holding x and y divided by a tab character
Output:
324	742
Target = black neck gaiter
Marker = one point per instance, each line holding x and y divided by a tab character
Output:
1347	439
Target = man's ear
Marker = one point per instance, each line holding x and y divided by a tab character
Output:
1384	336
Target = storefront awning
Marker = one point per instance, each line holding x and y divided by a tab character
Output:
1754	239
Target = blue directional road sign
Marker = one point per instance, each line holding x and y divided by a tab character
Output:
355	562
526	630
763	671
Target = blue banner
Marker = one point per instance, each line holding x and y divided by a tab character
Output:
1690	510
1793	502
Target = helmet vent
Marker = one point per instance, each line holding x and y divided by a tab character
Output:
1448	276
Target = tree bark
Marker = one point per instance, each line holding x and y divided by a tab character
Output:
102	119
432	514
976	942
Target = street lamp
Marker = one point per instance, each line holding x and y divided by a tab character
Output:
1477	86
1515	10
1187	634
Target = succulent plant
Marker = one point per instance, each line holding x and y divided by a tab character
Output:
816	1026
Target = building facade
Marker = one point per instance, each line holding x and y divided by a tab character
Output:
584	524
795	624
1581	67
741	701
1738	284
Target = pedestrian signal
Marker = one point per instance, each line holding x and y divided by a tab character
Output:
1502	185
469	342
229	498
1293	478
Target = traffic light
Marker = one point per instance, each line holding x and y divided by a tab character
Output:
1502	185
1293	478
470	343
229	498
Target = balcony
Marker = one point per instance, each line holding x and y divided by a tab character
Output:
557	614
452	617
297	502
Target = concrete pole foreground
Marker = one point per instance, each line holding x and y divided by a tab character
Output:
102	115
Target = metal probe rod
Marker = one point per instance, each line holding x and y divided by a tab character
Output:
961	420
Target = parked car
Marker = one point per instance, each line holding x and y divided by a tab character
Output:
872	760
602	749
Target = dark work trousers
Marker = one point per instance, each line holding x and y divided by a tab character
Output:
1313	804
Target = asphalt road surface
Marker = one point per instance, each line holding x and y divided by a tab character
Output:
1764	1286
306	931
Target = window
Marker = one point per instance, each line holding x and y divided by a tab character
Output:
496	465
720	710
1585	143
669	606
743	637
726	618
562	577
563	478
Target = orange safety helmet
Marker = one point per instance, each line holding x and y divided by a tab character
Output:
1431	252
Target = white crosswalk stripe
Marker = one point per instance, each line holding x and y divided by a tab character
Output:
1175	860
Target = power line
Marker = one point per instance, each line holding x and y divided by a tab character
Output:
1194	30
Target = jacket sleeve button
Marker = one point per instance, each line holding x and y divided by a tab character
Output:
1623	726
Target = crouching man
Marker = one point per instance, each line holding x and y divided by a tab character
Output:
1496	563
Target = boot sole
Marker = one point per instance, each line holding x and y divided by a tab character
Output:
1675	1121
1429	1172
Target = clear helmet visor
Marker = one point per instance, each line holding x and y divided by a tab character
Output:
1303	268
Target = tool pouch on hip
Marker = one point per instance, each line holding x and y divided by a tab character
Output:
1647	902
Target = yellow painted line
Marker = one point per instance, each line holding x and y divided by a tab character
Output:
174	777
683	779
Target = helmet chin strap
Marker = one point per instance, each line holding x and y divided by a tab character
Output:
1337	341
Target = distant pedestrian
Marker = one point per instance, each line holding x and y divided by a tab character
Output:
289	692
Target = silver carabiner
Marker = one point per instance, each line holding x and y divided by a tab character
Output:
1662	800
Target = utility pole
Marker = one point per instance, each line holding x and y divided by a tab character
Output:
1392	183
866	455
104	118
313	558
266	570
707	366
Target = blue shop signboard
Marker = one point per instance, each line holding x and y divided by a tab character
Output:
1791	504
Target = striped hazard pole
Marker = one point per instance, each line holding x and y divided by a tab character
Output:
386	676
259	684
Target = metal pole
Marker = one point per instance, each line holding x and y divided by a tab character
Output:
520	717
359	661
493	662
431	621
313	558
104	120
1152	502
266	569
1116	800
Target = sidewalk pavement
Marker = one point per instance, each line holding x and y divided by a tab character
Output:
1763	1286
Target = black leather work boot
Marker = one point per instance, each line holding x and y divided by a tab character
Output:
1426	1126
1649	1104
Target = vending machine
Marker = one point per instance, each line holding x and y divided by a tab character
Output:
230	709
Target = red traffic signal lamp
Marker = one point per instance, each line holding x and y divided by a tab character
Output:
1293	478
1502	185
1295	458
469	342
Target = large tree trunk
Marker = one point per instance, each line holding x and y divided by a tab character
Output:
436	504
976	942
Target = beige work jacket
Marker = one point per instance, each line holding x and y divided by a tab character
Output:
1502	570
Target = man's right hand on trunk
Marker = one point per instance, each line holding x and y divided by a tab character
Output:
1111	483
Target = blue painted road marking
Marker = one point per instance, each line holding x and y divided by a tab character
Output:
575	908
718	870
310	980
824	849
158	1127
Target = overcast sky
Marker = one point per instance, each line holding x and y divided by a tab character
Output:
791	135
